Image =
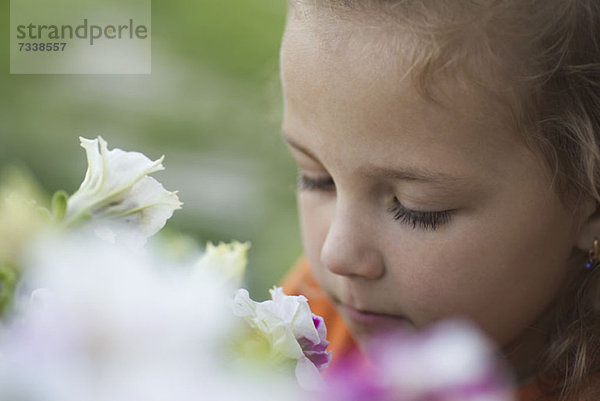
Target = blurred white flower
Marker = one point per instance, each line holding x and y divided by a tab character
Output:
106	324
117	189
291	329
225	260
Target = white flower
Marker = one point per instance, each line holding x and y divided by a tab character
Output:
107	324
289	326
117	189
225	260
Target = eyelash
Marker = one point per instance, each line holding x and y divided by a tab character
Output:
425	220
323	184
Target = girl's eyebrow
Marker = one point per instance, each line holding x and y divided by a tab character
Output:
407	174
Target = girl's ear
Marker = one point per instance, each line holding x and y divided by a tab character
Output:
590	226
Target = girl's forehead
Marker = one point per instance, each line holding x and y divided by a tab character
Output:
352	95
353	52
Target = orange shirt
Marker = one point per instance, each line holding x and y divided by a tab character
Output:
300	280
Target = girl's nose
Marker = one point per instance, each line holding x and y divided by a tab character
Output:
349	248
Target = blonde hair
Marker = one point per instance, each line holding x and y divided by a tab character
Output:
541	60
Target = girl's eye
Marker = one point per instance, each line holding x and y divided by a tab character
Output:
426	220
322	184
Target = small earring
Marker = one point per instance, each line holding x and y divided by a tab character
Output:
593	254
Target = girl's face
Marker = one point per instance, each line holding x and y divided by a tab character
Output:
411	212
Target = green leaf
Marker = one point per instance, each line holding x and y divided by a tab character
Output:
59	205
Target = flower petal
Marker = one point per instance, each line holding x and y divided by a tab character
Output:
146	206
308	375
116	187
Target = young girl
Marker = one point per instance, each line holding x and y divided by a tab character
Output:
449	165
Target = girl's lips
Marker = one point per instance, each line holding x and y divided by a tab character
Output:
375	320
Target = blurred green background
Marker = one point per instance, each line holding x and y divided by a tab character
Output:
212	105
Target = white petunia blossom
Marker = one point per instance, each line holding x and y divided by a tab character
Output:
225	260
118	191
291	329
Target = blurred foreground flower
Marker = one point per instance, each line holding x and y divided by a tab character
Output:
291	330
450	361
108	324
117	188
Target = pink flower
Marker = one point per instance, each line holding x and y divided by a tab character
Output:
450	361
